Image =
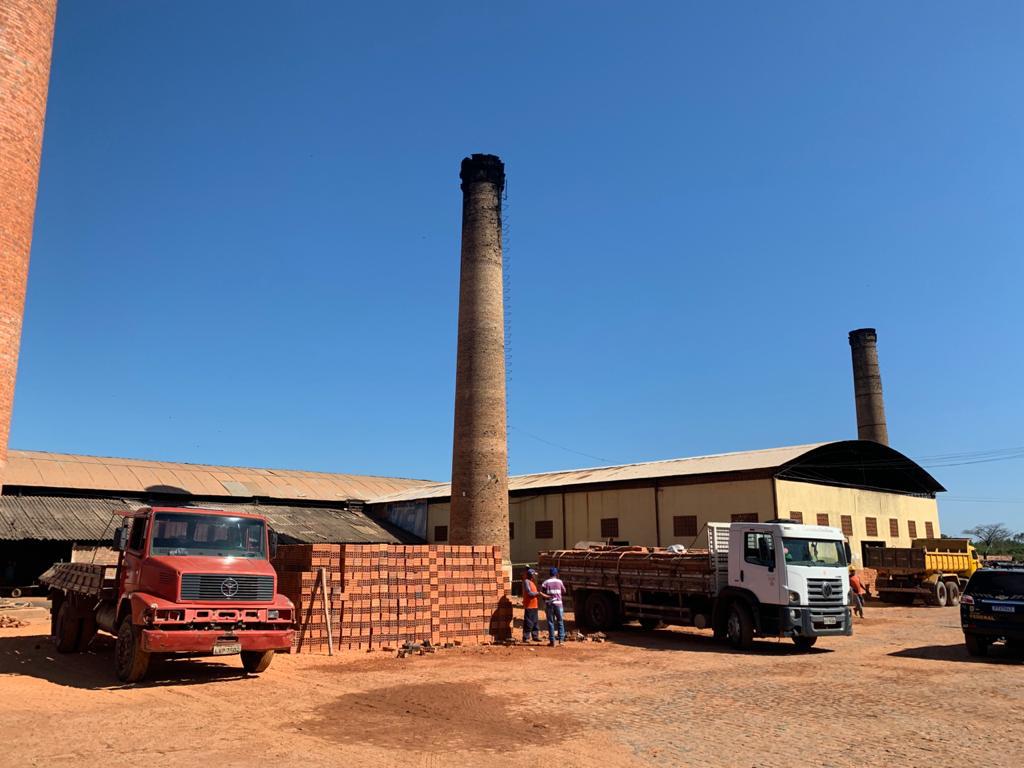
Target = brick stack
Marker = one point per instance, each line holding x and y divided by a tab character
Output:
384	595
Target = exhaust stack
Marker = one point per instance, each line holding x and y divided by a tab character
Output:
479	508
867	386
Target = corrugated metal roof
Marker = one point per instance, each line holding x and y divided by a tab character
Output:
94	473
744	461
59	518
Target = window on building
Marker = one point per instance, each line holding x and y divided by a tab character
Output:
746	517
847	523
544	529
609	527
796	517
823	518
511	531
912	529
894	527
440	533
929	531
759	549
684	526
871	524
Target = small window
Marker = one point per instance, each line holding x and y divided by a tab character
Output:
871	524
894	527
684	526
137	538
746	517
912	529
823	518
929	531
511	531
759	549
847	523
544	529
440	533
796	517
609	527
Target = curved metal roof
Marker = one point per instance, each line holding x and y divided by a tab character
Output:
859	463
36	469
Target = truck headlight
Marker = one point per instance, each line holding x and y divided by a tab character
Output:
794	597
273	615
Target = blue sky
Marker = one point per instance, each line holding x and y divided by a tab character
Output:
247	234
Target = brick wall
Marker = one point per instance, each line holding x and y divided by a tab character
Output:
26	37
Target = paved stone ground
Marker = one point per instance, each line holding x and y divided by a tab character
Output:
901	692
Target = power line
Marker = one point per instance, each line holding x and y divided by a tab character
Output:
540	439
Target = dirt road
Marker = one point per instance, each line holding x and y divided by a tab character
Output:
902	692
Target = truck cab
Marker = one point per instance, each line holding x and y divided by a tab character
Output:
781	578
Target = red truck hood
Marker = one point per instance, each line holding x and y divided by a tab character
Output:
236	566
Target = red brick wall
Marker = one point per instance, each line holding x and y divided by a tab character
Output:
26	37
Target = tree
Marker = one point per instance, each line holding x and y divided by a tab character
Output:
990	534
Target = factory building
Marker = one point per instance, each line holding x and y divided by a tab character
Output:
876	495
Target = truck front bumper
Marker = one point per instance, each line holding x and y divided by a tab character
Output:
803	621
202	641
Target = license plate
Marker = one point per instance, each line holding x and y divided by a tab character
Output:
829	621
1003	608
226	649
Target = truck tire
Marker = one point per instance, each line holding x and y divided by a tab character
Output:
256	661
649	623
599	611
129	658
804	643
953	593
67	628
739	626
977	645
940	595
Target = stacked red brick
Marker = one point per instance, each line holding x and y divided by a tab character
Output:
382	595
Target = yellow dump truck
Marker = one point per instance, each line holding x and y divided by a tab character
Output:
934	570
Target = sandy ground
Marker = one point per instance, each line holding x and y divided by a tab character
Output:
901	692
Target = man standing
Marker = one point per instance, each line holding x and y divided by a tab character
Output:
857	592
553	589
531	626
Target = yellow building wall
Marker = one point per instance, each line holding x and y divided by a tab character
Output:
437	514
634	508
711	503
523	513
812	499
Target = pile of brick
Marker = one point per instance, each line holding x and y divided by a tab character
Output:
381	596
10	622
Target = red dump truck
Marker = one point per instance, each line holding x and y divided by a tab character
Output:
187	581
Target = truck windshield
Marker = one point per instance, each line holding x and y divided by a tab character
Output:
817	552
207	535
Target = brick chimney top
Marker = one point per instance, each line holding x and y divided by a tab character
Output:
483	168
863	336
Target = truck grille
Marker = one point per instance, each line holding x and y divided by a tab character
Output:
825	592
217	586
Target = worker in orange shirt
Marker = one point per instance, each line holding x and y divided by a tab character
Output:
857	592
531	627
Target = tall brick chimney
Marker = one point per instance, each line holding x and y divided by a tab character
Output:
479	509
26	44
867	386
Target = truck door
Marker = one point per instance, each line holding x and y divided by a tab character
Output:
133	554
757	564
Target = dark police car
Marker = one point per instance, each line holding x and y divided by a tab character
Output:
992	608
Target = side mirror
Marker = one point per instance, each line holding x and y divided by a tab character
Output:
273	544
121	538
849	555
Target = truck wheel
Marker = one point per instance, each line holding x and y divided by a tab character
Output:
804	643
649	623
940	596
977	645
953	593
739	626
599	611
87	632
256	661
66	629
131	661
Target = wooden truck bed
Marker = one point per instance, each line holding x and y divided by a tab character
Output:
633	568
87	579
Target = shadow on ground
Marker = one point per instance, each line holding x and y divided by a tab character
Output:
35	656
674	640
997	654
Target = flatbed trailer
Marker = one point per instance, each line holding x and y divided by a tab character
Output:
748	583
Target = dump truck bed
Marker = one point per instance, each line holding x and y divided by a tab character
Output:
911	560
634	568
87	579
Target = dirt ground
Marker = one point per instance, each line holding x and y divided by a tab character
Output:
901	692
